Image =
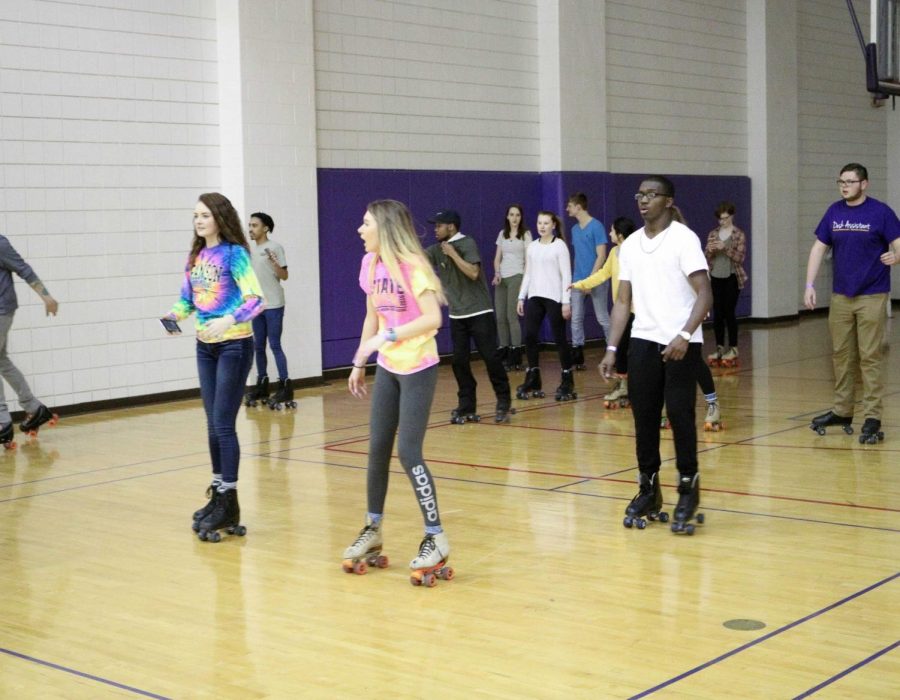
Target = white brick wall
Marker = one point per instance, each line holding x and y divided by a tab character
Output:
108	118
676	86
837	124
421	84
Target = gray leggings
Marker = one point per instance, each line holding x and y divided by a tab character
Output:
401	406
506	297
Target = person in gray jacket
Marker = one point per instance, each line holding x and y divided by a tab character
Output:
36	413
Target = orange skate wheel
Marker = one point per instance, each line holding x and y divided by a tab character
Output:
429	580
415	580
10	445
347	566
446	573
53	421
360	567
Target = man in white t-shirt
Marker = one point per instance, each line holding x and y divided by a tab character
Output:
270	266
664	275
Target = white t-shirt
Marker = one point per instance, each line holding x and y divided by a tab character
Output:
271	285
658	271
512	250
548	271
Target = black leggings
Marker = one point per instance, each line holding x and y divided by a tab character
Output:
725	297
536	308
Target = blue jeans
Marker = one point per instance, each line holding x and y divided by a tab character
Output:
223	369
267	326
598	295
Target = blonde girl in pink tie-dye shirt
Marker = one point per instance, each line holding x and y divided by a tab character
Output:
403	314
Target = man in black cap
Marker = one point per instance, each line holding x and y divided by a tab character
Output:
456	259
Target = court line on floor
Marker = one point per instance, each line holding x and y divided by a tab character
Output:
82	674
583	477
764	638
847	671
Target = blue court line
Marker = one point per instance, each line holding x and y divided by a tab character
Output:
764	638
82	674
843	673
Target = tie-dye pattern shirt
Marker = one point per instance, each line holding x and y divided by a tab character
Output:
220	282
395	305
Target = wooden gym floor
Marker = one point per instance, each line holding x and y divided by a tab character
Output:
790	589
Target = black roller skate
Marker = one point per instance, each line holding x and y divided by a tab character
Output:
34	421
869	435
205	510
459	415
6	436
819	423
531	389
259	393
504	411
283	396
225	515
578	357
647	502
515	358
688	501
566	389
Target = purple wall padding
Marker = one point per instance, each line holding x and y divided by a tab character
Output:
481	199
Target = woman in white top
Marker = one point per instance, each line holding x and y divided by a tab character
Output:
545	286
509	266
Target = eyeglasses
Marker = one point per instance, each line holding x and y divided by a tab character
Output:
649	196
847	183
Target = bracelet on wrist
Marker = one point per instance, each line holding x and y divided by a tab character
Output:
356	366
390	335
611	348
810	285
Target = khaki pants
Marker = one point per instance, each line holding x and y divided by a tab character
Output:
857	329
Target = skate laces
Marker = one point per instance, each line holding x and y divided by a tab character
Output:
427	546
367	533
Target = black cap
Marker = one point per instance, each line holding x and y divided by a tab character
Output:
445	216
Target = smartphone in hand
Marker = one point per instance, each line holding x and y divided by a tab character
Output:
170	326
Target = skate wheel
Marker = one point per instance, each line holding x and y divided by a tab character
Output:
663	517
347	566
360	567
213	536
429	580
53	421
641	523
689	529
676	526
447	573
293	404
848	429
820	431
238	530
700	518
195	526
381	562
11	445
414	580
627	522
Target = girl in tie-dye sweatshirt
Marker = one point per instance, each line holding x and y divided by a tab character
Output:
221	287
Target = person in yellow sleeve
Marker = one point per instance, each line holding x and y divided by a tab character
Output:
621	229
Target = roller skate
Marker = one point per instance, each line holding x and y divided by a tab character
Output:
566	389
504	411
531	389
431	563
225	515
869	435
283	396
515	358
729	358
365	551
713	420
688	500
648	501
715	359
259	393
664	423
6	436
618	397
819	423
207	509
578	357
34	421
458	416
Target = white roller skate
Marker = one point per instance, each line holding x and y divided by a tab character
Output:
729	358
431	562
365	551
618	397
713	421
715	359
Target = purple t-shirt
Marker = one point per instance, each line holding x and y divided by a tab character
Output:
858	236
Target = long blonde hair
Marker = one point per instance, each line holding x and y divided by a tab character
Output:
398	243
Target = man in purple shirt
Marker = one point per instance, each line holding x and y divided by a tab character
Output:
864	236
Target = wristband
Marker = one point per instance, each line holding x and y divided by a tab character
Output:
390	335
356	366
810	285
611	348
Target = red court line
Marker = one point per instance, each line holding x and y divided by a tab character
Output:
583	477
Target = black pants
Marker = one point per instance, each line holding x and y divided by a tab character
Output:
652	383
725	297
483	330
622	350
536	308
